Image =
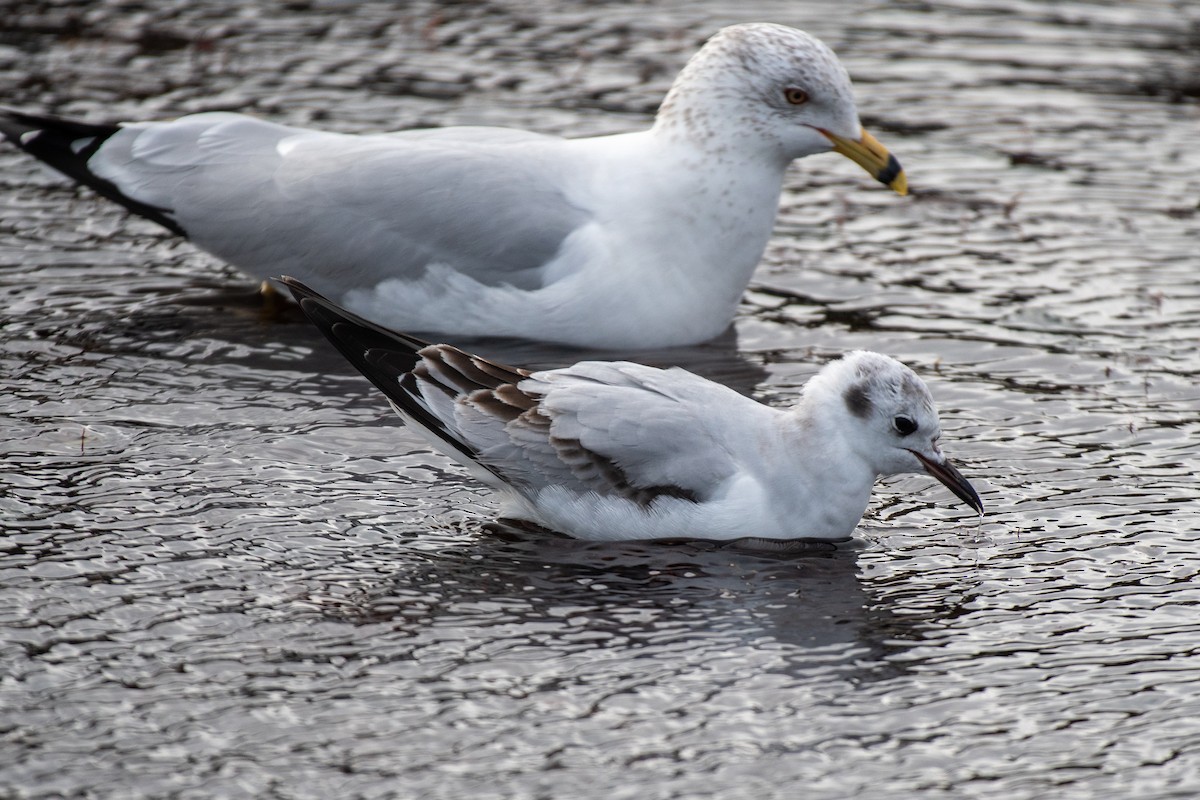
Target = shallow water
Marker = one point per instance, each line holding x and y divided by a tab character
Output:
226	572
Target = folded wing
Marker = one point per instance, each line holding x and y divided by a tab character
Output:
612	428
345	211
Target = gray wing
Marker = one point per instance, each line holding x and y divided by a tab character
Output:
348	211
614	428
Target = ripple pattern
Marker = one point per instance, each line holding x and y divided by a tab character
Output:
226	572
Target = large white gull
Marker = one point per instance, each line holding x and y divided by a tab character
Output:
643	239
611	450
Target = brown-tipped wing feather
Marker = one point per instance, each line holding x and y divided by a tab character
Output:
615	429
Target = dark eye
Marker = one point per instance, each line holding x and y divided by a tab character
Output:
796	97
904	426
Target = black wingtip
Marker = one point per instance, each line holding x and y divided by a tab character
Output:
323	312
384	357
67	145
360	340
15	125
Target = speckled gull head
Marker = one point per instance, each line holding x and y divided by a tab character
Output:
610	450
788	91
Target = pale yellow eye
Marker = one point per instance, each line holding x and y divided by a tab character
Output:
796	97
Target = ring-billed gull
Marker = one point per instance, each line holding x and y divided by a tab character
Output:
640	239
611	450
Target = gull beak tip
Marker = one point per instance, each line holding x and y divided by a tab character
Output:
872	156
953	480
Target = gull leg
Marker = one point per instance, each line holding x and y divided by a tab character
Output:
274	304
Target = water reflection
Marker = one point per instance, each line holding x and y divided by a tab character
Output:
807	613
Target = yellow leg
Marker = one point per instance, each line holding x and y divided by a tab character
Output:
274	304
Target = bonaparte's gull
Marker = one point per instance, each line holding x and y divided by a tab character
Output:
609	450
641	239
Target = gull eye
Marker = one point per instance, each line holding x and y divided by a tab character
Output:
796	97
904	426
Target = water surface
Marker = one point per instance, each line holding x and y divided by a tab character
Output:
225	571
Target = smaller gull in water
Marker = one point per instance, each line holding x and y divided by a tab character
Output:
611	450
644	239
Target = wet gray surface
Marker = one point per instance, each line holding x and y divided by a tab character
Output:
225	571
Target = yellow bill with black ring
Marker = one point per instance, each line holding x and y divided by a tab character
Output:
868	153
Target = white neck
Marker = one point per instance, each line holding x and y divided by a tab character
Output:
701	254
829	468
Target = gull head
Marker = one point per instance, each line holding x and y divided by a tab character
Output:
885	415
762	86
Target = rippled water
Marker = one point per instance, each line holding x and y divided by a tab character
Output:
226	572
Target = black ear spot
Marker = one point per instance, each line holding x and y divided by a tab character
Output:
858	401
